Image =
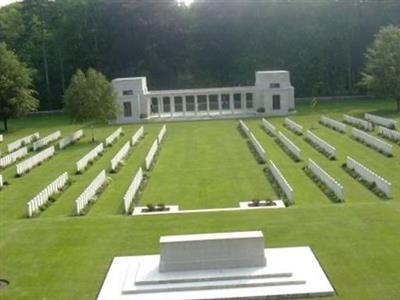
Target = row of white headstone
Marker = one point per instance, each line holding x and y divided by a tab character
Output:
390	134
83	162
372	141
335	186
244	128
13	157
296	151
161	134
150	155
1	181
46	140
65	142
154	147
119	157
316	140
22	141
35	160
253	140
43	197
133	189
113	137
269	127
259	148
360	123
281	180
137	136
90	192
382	184
293	126
331	123
389	123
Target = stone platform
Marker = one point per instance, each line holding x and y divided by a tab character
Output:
290	272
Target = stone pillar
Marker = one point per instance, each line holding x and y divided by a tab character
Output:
219	104
172	103
148	99
159	106
231	103
243	98
208	104
195	105
184	105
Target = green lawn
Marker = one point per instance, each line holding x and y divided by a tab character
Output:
204	164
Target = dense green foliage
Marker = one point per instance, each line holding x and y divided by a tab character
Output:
90	97
15	86
382	72
210	43
356	242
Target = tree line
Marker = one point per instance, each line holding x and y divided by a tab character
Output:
211	43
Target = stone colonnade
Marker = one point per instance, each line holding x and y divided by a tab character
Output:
201	103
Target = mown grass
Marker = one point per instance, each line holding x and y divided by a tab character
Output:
201	165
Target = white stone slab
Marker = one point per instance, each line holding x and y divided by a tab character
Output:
278	204
138	210
290	272
174	209
212	251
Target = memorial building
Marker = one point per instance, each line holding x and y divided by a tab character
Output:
271	95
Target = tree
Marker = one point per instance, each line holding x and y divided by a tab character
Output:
90	97
16	94
382	70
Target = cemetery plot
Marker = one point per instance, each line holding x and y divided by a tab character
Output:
9	159
22	142
294	152
389	123
35	160
260	152
89	194
335	125
284	189
390	134
69	140
110	140
326	182
204	164
359	123
380	186
46	140
322	146
269	128
42	200
82	164
372	142
293	126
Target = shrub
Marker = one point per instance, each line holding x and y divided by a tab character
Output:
261	110
161	207
150	207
